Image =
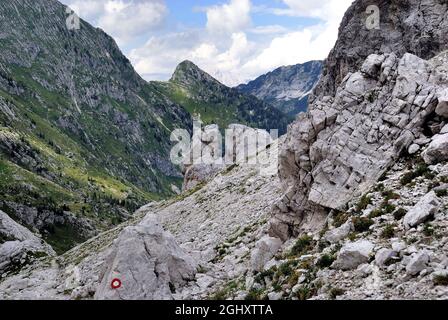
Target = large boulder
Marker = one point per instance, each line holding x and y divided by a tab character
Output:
148	263
437	151
18	245
442	107
422	211
385	256
265	249
338	234
353	254
418	262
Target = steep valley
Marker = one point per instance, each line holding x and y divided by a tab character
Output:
355	208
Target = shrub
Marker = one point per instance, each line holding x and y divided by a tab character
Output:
335	292
363	203
428	230
421	169
265	274
340	218
388	232
390	195
305	293
388	207
302	245
325	261
255	294
399	213
286	268
442	193
375	213
362	224
440	280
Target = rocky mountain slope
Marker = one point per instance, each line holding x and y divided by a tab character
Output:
286	88
200	93
211	232
84	141
358	209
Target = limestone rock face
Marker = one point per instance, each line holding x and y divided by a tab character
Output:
148	262
442	107
338	234
18	245
419	27
418	262
422	211
353	254
384	256
207	157
437	151
343	145
265	249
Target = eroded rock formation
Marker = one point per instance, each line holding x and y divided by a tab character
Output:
342	146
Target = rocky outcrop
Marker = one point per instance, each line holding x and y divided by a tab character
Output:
437	151
264	250
148	263
442	107
353	254
344	143
337	234
215	227
418	262
208	156
18	245
426	208
418	27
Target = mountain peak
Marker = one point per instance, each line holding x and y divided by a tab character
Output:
188	73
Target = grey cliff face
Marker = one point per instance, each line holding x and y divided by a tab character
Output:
365	114
415	26
18	245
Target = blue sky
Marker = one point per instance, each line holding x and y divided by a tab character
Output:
234	40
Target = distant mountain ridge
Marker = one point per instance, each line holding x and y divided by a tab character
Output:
287	88
200	93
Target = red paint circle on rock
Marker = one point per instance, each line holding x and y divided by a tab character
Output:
116	283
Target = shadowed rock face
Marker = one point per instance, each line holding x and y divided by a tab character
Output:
18	245
360	122
419	27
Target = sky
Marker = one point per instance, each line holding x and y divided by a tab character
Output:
233	40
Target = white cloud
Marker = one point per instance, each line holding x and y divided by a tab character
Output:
311	43
158	57
123	19
323	9
270	29
229	46
231	17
